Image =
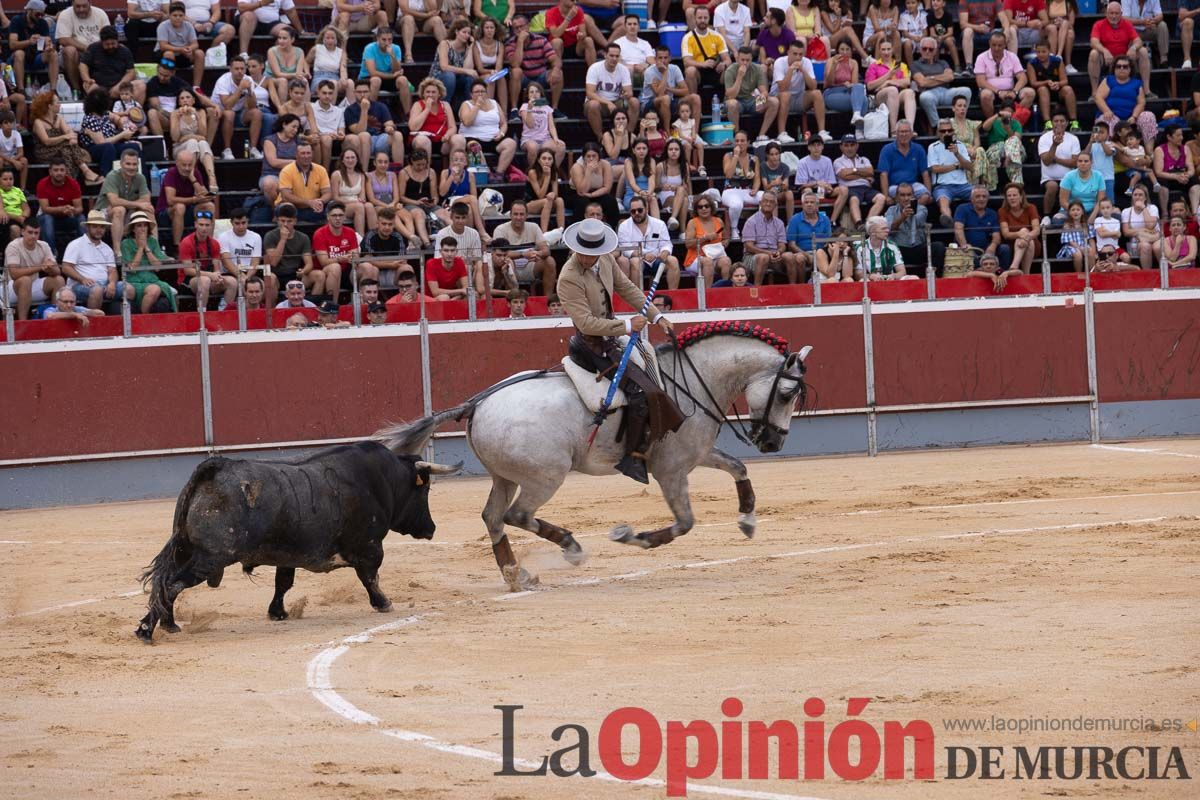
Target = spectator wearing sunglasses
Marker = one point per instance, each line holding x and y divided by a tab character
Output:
293	296
200	254
1000	75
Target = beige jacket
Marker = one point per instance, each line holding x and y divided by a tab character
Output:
581	291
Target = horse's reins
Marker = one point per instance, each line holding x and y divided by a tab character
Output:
741	432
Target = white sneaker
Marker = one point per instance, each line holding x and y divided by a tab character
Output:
856	118
1186	64
227	154
255	152
825	137
1072	71
735	235
1045	222
651	25
784	138
672	224
761	140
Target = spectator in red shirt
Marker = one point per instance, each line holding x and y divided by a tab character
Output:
1024	22
567	23
60	202
1115	36
335	246
447	282
200	254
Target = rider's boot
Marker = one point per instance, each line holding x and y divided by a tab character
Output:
637	430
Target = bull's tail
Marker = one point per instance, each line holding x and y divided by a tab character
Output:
410	438
178	548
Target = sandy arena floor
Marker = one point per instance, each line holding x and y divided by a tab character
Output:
1021	582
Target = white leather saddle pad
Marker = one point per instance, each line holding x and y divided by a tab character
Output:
592	389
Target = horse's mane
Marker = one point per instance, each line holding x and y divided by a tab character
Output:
706	330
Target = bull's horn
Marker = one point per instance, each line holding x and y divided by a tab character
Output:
804	351
439	469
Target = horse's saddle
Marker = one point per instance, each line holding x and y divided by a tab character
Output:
593	387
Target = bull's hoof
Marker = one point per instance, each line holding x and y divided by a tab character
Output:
169	627
383	609
574	553
145	633
625	535
277	615
747	524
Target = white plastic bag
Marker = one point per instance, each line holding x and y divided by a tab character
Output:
216	56
875	124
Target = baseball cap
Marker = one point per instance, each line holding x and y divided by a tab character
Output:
35	5
849	138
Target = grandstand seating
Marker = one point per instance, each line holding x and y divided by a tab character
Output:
238	179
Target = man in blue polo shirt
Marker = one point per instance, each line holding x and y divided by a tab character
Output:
904	161
805	224
976	225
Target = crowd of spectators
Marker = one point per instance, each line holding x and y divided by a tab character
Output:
374	168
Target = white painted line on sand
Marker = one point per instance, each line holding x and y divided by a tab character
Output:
980	504
1147	450
73	604
321	686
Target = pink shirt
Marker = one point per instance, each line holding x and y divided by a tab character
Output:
1004	79
878	69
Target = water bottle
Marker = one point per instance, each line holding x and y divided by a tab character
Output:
120	26
716	110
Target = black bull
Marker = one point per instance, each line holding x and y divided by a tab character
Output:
329	510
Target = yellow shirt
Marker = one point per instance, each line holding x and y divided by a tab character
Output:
290	178
713	45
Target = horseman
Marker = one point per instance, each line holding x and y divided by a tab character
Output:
585	287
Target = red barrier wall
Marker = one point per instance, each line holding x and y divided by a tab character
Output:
1147	351
980	354
296	390
100	401
105	396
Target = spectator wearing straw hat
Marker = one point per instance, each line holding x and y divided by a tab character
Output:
142	255
91	266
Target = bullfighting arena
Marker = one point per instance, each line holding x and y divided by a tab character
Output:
1025	582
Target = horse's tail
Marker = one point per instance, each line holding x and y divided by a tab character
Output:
410	438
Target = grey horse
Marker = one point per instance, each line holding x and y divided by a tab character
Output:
529	433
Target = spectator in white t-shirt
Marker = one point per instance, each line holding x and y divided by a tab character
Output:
76	28
205	16
241	101
263	18
331	124
241	252
91	265
609	87
732	20
636	54
1057	150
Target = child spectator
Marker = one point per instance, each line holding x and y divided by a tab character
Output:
14	208
12	147
133	116
516	303
1102	151
1179	248
1074	236
685	130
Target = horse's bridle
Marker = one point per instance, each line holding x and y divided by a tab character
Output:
751	437
760	425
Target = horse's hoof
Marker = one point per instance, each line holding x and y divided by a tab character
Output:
574	554
747	524
511	575
169	627
625	535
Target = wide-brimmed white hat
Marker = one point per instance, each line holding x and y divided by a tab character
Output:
591	237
